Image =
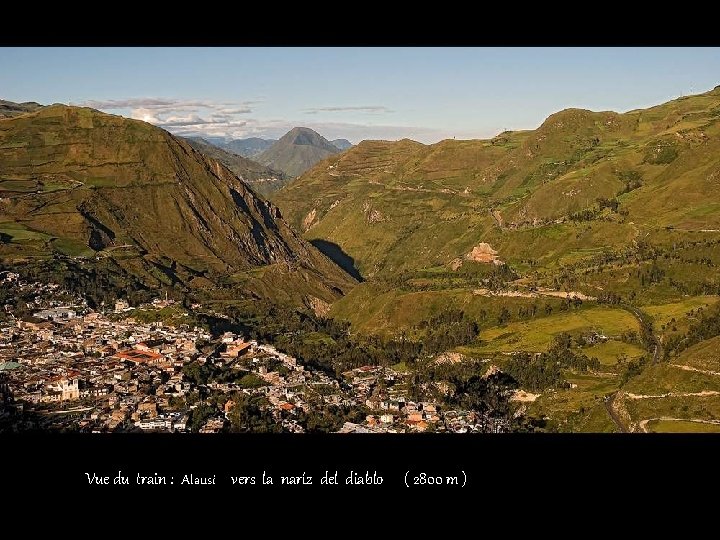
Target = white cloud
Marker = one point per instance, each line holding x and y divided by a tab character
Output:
231	120
353	108
168	105
183	116
146	115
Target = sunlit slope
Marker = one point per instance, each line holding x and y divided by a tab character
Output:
581	181
77	182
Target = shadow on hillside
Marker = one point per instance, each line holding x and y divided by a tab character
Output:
338	256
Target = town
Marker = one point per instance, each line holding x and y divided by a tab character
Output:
68	367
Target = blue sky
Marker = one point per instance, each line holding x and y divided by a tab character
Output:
426	94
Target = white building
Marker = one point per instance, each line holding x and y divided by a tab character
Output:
60	314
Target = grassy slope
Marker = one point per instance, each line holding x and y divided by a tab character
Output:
667	407
406	207
432	203
536	335
404	211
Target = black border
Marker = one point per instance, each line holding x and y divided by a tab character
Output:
357	24
515	466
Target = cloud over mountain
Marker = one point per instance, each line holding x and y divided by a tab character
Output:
239	119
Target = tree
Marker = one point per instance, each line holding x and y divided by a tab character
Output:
504	315
251	415
199	415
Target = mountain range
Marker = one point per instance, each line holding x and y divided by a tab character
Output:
126	196
253	146
262	179
276	162
579	257
396	206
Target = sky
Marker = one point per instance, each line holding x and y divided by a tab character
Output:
426	94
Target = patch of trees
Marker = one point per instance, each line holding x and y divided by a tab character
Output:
630	336
349	352
250	380
499	277
199	415
632	368
470	274
545	370
707	327
446	330
536	372
647	331
632	181
609	297
198	373
570	303
290	332
612	204
18	300
470	389
327	418
526	312
590	214
265	321
202	374
490	398
584	215
98	283
251	414
653	274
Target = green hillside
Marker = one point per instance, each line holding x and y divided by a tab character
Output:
582	187
128	196
680	395
382	200
600	226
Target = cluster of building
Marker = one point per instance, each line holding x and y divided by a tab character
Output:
70	367
384	392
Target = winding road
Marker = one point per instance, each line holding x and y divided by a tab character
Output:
609	402
652	341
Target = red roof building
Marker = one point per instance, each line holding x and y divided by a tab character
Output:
141	357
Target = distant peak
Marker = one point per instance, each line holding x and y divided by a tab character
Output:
297	151
303	135
341	144
300	129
